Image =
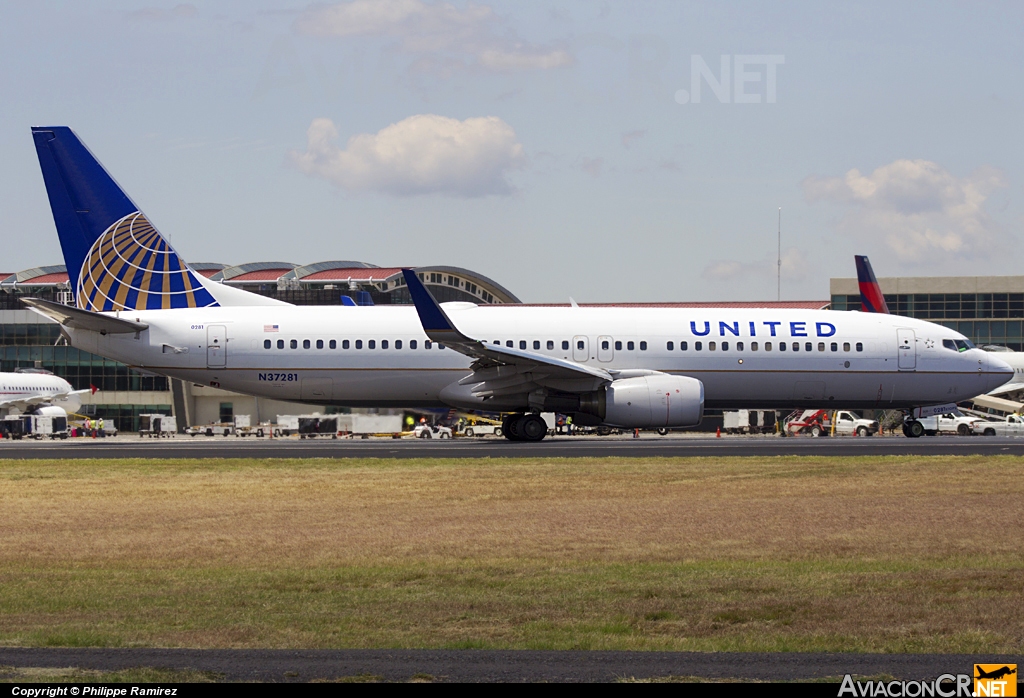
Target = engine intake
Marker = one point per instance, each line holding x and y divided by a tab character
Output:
647	402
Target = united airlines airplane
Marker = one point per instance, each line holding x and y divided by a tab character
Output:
139	303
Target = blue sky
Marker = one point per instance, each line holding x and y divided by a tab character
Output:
544	145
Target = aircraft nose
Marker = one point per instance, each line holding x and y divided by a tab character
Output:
997	370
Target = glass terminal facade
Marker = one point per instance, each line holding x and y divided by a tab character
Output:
985	318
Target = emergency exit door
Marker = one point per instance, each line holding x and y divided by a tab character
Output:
580	348
216	346
906	345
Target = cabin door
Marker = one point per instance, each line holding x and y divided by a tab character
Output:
216	346
580	348
906	345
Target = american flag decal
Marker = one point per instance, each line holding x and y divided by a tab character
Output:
271	328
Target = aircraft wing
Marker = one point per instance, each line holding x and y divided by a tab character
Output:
83	319
23	402
1007	388
500	370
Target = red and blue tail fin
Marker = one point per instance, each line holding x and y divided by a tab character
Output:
871	298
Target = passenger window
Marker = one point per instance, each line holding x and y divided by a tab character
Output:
333	344
605	345
796	346
834	347
846	346
725	346
753	346
697	346
670	346
305	344
630	345
821	346
344	344
508	343
294	344
808	346
383	344
711	346
643	346
440	346
522	343
782	346
618	346
565	345
860	347
682	346
767	346
427	344
739	346
536	344
398	344
579	344
551	344
359	344
266	344
371	344
412	343
319	344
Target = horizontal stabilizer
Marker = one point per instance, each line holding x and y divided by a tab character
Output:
79	319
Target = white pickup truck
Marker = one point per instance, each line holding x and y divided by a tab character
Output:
847	423
948	423
1012	425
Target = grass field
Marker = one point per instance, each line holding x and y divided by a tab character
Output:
854	554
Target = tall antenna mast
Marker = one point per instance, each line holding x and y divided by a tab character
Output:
779	290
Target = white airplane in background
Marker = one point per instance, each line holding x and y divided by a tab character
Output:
139	303
36	391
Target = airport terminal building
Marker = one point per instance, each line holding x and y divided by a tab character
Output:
987	309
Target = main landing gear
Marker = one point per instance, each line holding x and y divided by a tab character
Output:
524	427
913	429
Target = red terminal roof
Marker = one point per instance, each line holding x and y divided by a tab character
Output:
259	275
58	278
360	274
207	272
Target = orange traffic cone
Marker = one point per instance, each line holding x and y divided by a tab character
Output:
718	432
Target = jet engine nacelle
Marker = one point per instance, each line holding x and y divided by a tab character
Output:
648	402
49	411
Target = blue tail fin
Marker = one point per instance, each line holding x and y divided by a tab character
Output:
116	259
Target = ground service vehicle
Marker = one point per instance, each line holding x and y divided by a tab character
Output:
431	431
157	425
1011	425
748	422
949	423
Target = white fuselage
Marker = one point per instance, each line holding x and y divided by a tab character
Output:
380	355
24	389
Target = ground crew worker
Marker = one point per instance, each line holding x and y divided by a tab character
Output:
568	424
88	427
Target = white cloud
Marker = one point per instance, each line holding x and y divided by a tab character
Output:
423	154
920	211
432	28
795	267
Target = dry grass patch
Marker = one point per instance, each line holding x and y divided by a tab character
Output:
899	554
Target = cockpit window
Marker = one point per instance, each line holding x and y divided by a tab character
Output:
958	344
949	344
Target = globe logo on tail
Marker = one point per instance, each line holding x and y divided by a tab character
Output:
131	267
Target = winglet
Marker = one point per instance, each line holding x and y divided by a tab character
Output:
435	321
871	298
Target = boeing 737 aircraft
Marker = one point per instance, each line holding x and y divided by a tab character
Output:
139	303
39	392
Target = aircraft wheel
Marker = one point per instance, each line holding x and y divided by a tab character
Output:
906	430
510	427
532	427
662	431
915	429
